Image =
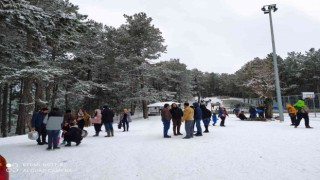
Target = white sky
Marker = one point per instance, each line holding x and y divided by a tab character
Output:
218	35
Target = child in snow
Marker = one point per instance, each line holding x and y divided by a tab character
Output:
242	116
253	112
222	114
292	113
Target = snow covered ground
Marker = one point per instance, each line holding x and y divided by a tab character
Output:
242	150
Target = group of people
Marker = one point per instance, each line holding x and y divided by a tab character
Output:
296	112
192	116
50	124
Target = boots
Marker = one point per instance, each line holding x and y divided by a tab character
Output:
178	130
108	134
309	127
214	124
174	131
112	133
206	131
97	134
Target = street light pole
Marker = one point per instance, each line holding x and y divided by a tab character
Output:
269	10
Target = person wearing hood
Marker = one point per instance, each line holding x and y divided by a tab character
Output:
177	114
292	113
166	117
302	112
206	115
197	118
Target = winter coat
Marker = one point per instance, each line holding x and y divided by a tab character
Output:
197	111
242	116
97	117
107	115
37	119
165	114
206	113
53	121
301	107
188	114
74	134
253	112
176	113
291	109
128	116
222	112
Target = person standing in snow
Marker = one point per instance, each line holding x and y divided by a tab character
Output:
222	114
187	117
206	115
82	118
214	114
197	118
166	118
107	120
260	111
96	121
39	126
53	122
302	112
125	118
292	113
177	114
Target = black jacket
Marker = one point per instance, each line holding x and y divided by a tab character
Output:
107	115
176	113
206	113
74	134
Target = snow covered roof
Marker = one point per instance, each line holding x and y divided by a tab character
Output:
161	104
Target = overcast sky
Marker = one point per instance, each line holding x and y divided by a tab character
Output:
218	35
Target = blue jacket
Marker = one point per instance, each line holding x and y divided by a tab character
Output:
37	119
197	111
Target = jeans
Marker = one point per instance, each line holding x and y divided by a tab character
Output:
222	121
189	128
53	136
206	121
108	126
198	124
214	118
293	118
166	127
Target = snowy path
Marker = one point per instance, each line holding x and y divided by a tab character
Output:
240	151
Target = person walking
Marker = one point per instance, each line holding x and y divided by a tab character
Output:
222	114
96	121
177	114
206	115
125	118
107	120
53	122
292	113
302	112
166	118
187	117
197	118
38	125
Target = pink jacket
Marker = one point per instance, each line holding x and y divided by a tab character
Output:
97	117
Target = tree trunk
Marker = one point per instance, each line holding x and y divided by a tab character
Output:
49	94
10	108
25	107
4	110
54	95
1	108
145	109
39	96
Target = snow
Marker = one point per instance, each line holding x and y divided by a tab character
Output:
243	150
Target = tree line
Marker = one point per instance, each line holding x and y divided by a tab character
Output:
53	56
